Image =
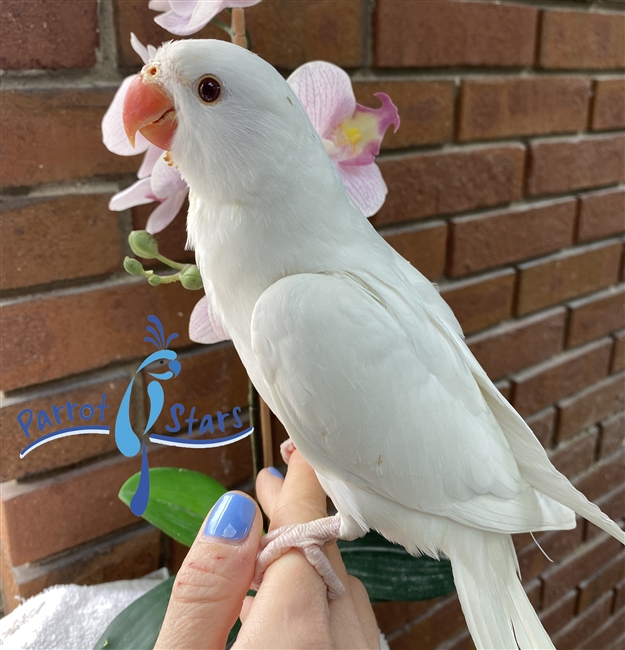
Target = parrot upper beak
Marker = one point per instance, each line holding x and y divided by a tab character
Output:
149	110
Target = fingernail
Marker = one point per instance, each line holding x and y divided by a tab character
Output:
275	472
231	517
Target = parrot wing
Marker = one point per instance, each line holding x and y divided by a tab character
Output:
370	386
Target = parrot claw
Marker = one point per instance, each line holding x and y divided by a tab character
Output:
286	449
309	538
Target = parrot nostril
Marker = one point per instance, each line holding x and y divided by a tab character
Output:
152	71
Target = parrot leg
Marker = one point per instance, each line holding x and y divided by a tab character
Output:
286	449
309	538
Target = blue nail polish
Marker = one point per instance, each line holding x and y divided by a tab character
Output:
274	472
231	517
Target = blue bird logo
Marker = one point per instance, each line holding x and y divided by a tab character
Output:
128	441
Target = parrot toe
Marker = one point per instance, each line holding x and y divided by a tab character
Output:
309	538
286	449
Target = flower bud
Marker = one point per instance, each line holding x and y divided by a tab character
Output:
191	278
155	280
143	244
133	266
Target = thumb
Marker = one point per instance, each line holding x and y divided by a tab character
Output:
214	578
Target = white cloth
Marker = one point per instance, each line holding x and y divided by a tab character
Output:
71	617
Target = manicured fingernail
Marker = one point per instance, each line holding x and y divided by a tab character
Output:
274	472
231	517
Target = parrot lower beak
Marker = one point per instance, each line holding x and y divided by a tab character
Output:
149	110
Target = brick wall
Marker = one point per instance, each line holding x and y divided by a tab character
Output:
506	186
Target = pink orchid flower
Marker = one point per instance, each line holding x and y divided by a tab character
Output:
351	133
158	181
184	17
205	326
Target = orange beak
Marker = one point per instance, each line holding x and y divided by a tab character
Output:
149	110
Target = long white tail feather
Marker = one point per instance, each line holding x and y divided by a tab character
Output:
498	613
535	466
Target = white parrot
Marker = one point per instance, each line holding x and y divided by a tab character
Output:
350	346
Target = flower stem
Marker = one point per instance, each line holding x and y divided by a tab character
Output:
238	27
222	25
171	263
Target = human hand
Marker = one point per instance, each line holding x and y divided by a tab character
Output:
291	608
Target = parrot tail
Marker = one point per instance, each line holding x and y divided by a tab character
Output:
495	605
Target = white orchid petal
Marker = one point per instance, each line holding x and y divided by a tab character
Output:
139	48
113	134
325	92
174	23
205	326
139	193
165	213
166	180
159	5
149	160
205	11
365	187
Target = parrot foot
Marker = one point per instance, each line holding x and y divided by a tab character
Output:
309	538
286	449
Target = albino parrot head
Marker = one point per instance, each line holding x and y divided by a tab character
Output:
232	123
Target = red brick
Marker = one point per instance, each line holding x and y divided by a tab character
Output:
514	346
591	589
585	625
44	517
131	554
612	435
424	246
432	628
605	476
60	239
612	629
446	182
619	597
543	425
425	108
499	108
558	544
568	274
51	336
65	451
574	456
560	376
212	379
618	353
581	39
391	616
533	590
564	165
597	315
591	405
608	111
36	34
436	34
559	614
317	29
54	135
559	579
483	241
601	214
483	301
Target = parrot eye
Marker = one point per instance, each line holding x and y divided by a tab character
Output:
209	89
162	362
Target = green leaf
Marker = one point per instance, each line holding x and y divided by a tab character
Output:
179	500
389	572
137	627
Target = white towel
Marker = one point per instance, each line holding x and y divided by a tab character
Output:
71	617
